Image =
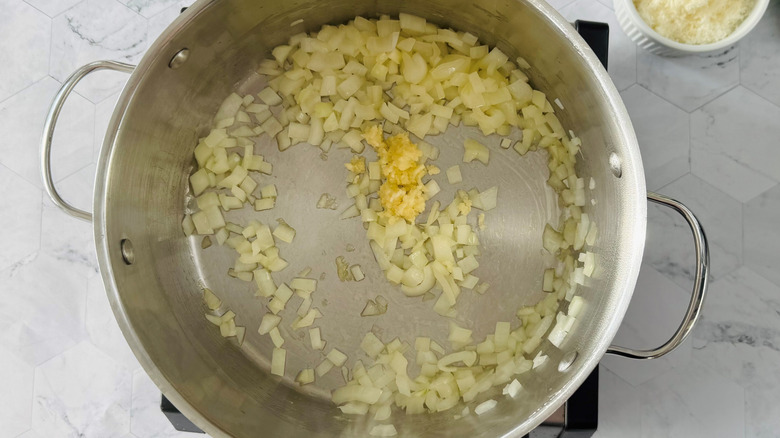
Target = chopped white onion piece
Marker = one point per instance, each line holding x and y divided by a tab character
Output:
187	225
372	345
350	212
383	430
268	322
356	393
512	388
240	334
337	357
304	284
575	306
305	376
316	339
216	320
357	273
354	408
307	320
467	357
485	406
269	97
276	337
278	359
324	367
539	360
212	301
454	175
265	204
474	150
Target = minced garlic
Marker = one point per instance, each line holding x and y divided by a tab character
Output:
357	165
694	21
401	194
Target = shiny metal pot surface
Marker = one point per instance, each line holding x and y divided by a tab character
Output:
154	275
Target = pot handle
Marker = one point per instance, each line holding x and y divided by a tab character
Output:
699	285
51	122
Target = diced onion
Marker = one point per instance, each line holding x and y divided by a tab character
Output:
212	301
268	322
383	430
305	376
316	340
278	359
475	151
454	175
276	337
512	388
485	406
337	357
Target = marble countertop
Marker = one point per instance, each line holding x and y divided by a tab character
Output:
708	129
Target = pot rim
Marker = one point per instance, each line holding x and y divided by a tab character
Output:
636	219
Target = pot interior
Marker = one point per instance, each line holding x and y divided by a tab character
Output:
142	194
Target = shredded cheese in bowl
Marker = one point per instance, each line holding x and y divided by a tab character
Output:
694	21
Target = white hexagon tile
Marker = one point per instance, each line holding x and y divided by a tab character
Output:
663	133
692	402
43	308
622	404
738	164
82	392
147	420
759	63
669	246
21	124
102	328
95	30
656	309
160	21
738	337
25	33
20	226
16	379
689	82
706	126
52	8
149	8
761	235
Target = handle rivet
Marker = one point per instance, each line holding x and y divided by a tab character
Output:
126	247
615	165
567	361
179	58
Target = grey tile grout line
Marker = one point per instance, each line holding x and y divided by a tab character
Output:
47	75
663	187
737	161
32	401
760	96
742	218
38	9
663	98
40	225
24	179
91	161
51	46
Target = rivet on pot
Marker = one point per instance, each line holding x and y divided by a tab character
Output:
128	256
567	361
179	58
615	165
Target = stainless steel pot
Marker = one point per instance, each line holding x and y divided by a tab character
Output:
153	274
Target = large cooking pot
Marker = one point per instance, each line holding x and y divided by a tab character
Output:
153	274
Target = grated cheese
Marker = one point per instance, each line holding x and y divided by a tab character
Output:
694	21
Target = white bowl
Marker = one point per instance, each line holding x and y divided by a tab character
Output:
645	37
